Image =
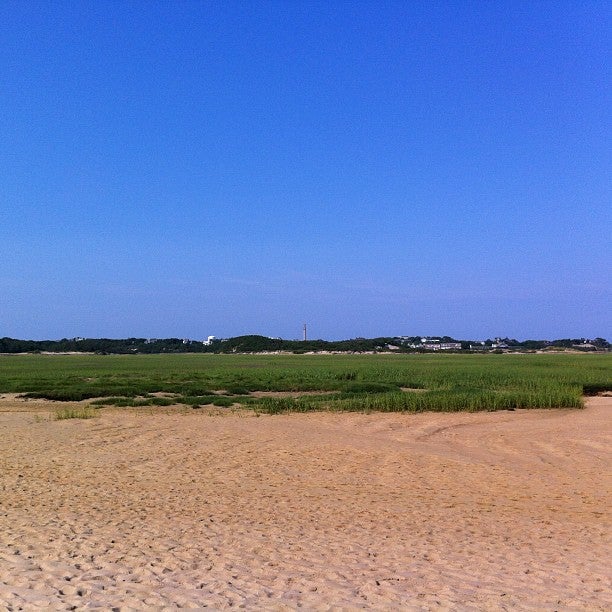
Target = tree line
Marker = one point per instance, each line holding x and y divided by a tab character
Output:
260	344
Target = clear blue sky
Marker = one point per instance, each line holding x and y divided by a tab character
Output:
370	168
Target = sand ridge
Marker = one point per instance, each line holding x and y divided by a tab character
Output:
137	509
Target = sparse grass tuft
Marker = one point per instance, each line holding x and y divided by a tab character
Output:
75	413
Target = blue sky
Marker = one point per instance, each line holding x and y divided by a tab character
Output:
370	168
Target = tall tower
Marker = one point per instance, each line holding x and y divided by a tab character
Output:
304	332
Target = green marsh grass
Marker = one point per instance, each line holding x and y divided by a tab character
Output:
353	382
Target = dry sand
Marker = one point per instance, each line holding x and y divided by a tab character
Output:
130	510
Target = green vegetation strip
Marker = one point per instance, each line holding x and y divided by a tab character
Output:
385	383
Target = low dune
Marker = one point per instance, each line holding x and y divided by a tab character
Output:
144	509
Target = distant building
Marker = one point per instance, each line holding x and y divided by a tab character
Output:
209	340
584	345
436	345
450	346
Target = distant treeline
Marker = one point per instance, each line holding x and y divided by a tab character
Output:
260	344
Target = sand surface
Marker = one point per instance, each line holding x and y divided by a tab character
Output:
133	510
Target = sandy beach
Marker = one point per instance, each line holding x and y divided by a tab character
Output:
169	509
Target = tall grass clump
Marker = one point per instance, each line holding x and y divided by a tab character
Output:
279	405
453	401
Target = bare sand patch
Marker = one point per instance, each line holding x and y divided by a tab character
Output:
152	509
15	402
